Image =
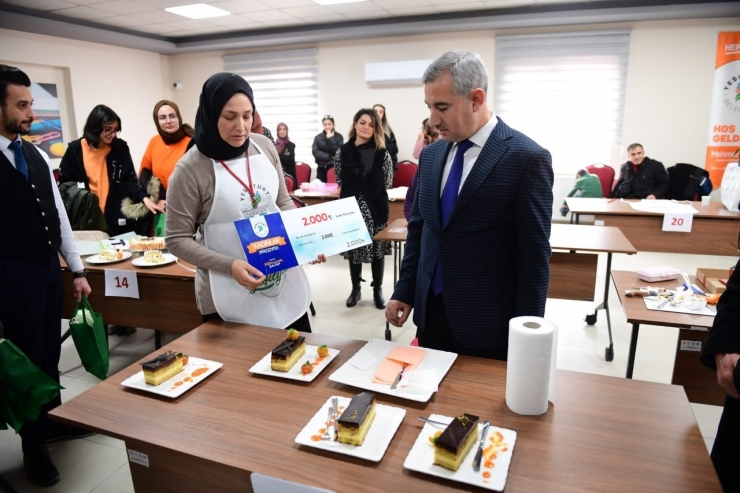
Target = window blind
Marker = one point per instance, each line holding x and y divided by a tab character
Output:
565	91
285	90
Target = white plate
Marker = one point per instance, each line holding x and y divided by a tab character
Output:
169	388
262	367
95	259
348	374
379	436
421	457
168	259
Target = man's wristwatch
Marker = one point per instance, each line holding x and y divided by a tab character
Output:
82	273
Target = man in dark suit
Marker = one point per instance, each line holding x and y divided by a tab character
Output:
35	230
722	352
478	246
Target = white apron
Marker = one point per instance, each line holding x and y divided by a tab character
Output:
284	296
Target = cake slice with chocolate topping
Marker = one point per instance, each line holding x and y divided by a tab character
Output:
455	442
163	367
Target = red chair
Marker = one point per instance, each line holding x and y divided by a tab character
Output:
404	174
302	172
606	176
330	176
289	181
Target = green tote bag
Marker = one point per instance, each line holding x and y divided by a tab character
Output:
24	387
159	220
88	334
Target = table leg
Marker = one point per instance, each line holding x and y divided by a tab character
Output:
633	350
157	339
578	219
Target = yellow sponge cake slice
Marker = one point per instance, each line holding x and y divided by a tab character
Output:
162	368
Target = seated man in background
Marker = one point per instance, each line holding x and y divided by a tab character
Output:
587	186
641	177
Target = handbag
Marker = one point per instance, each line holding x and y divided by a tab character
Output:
24	387
158	226
89	336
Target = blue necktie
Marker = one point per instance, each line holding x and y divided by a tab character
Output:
20	160
447	202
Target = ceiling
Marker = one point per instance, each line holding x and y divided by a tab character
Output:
144	24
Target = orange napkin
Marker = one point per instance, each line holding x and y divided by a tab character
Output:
396	359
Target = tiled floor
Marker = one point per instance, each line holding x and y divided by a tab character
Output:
99	464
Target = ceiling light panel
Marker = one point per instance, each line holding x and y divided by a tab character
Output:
198	11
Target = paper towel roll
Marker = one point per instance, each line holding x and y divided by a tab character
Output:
530	374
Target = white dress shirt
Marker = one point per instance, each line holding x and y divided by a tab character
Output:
471	155
69	246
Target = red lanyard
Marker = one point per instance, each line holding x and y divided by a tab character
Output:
250	187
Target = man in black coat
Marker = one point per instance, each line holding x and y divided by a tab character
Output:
721	352
641	177
35	230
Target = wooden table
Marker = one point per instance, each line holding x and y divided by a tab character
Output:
699	382
572	275
604	433
715	230
312	198
166	298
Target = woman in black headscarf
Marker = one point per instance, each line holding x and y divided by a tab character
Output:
231	174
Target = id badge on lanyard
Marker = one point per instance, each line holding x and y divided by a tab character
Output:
255	199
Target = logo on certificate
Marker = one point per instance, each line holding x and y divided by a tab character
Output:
259	226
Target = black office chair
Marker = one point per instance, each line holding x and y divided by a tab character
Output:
687	182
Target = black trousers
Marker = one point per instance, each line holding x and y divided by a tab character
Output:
303	324
437	334
31	294
726	450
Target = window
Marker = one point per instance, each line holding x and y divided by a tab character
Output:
285	90
565	91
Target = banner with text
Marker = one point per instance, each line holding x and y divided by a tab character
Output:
724	121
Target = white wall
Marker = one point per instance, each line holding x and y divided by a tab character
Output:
669	88
669	83
129	81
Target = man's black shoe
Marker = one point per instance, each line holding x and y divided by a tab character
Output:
54	431
40	470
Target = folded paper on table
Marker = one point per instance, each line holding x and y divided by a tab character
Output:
281	240
420	381
362	359
400	356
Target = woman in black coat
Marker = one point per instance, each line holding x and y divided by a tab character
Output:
325	147
286	152
364	170
101	162
390	138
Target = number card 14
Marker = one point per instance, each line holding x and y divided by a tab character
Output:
121	283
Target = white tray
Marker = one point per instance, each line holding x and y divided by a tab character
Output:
170	388
421	457
262	367
95	259
348	374
379	436
168	259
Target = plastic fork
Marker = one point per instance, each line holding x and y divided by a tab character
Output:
329	436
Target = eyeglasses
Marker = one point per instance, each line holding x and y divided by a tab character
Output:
110	131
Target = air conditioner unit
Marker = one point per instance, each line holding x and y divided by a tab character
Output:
408	72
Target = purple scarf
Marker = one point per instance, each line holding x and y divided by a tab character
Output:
281	144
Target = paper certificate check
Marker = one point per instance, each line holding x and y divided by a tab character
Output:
279	241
